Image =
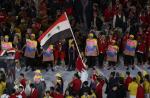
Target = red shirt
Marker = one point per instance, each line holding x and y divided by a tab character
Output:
56	53
12	96
76	85
99	89
108	14
128	80
2	17
102	46
23	82
140	92
58	96
148	18
141	47
18	55
23	94
62	55
52	94
94	77
34	94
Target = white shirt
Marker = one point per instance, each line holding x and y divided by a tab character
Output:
5	96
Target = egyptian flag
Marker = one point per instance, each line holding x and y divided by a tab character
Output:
60	29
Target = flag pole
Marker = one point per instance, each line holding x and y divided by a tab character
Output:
75	40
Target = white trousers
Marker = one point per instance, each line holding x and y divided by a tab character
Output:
131	96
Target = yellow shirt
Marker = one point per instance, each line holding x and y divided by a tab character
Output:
93	95
133	86
138	78
146	86
89	96
68	97
2	87
48	97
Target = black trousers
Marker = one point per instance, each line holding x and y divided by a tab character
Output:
101	59
111	63
30	62
46	64
91	61
128	60
140	58
71	63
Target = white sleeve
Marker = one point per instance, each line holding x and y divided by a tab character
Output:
114	21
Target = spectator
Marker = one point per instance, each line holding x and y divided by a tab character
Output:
140	90
146	86
68	95
99	88
92	94
121	89
85	95
52	92
58	94
113	92
34	91
2	84
110	83
47	95
128	80
22	80
133	86
22	92
59	83
76	84
85	88
13	94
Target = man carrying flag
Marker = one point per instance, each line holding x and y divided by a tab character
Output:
61	29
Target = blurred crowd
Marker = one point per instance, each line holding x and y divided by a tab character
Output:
105	30
117	85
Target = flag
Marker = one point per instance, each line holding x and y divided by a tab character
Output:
12	50
81	69
2	52
61	29
80	65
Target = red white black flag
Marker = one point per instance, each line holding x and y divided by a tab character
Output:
60	29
